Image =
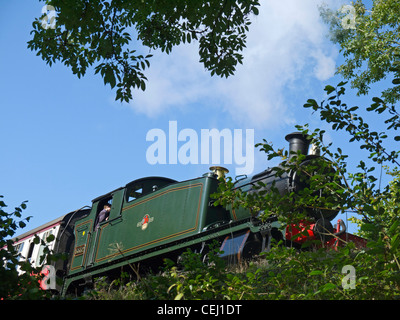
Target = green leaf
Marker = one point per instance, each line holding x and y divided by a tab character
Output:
179	296
377	100
316	273
311	103
329	89
396	81
328	286
393	227
50	238
395	242
36	240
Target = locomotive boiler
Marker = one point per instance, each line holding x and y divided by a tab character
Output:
318	222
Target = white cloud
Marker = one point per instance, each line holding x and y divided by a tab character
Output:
286	44
325	67
174	81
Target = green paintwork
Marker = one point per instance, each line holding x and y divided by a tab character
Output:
144	223
171	213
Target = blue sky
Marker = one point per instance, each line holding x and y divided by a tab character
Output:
65	141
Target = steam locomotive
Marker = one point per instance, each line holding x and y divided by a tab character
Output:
156	217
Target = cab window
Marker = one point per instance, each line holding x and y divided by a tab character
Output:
139	188
134	192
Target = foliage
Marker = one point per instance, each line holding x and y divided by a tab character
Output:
328	184
320	274
194	278
15	285
100	33
370	45
280	274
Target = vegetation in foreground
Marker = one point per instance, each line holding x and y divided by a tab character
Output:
280	274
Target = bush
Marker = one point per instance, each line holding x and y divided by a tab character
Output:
13	284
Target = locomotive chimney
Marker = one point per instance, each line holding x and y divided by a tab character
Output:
297	142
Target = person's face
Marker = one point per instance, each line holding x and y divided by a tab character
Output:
107	208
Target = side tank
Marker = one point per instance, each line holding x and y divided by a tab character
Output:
145	215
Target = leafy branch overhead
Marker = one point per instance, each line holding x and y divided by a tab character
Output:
108	35
371	47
